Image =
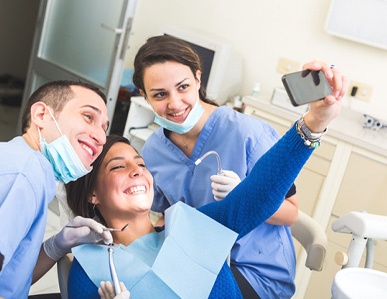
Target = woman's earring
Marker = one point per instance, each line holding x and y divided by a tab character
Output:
96	218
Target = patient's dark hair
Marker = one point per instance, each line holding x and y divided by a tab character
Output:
79	192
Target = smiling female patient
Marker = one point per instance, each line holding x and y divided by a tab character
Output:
120	190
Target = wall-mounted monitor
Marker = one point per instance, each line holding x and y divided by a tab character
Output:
221	65
363	21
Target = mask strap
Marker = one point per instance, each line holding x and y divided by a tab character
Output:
40	135
52	115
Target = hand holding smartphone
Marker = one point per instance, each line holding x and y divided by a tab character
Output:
306	86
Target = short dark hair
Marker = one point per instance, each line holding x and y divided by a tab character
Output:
164	48
80	191
55	94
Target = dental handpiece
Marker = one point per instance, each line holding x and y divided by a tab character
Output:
220	170
113	272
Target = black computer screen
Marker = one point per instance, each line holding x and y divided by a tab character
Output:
206	58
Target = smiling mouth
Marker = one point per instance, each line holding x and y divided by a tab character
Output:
178	114
136	190
88	149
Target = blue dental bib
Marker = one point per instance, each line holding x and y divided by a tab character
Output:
189	252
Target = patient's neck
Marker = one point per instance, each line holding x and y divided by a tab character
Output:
136	229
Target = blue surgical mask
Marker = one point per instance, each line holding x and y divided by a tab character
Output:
191	120
65	162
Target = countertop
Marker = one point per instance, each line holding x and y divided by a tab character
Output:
348	126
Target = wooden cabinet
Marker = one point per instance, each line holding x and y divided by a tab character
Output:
364	184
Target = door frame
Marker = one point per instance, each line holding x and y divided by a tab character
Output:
40	66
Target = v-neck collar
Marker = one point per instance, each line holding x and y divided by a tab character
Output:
203	137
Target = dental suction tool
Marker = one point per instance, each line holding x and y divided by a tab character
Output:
113	272
198	161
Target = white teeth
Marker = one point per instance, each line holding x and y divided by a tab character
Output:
178	114
84	146
137	189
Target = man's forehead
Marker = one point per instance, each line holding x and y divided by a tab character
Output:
86	96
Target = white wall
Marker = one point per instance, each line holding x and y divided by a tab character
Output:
264	31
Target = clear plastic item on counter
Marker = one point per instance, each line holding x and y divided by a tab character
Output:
256	90
238	104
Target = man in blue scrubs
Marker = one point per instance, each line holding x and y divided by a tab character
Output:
64	125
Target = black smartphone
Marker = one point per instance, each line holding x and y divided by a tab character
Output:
306	86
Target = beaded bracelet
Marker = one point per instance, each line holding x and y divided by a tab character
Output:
311	140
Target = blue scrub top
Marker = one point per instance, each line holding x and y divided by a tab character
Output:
27	185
